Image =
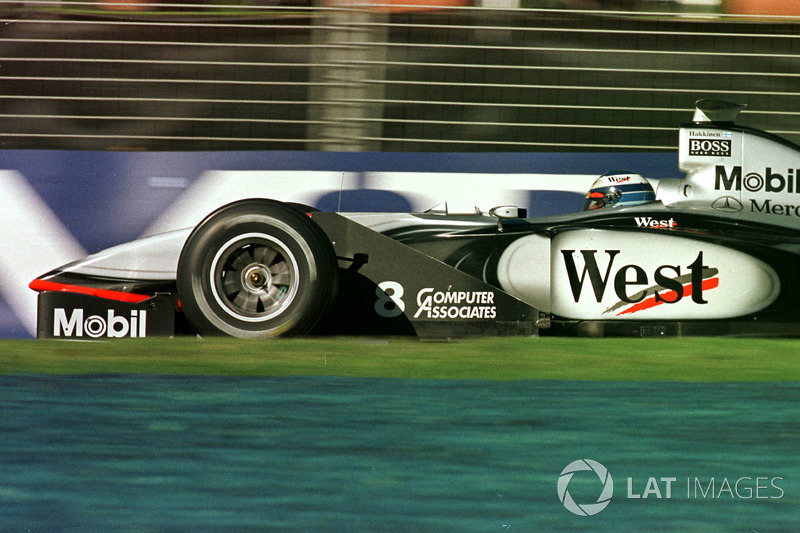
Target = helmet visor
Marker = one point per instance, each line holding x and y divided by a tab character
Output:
619	195
601	197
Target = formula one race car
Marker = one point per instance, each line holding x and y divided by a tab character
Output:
717	252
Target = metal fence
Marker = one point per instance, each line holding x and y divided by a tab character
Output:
361	78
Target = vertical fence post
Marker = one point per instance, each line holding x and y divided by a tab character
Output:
347	73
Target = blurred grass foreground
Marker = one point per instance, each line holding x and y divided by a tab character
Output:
676	359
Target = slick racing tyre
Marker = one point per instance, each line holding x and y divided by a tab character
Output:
256	269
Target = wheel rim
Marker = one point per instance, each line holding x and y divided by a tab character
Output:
254	277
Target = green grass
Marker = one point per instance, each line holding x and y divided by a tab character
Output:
679	359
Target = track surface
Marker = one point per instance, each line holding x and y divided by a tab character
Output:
145	453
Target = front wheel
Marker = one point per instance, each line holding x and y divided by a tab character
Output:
256	269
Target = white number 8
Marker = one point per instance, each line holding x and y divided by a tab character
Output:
390	299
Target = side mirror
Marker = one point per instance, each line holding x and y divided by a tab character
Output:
508	211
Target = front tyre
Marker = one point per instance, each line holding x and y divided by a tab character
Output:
256	269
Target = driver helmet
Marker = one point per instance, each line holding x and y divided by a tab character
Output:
619	188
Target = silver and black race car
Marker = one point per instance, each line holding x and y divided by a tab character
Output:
717	252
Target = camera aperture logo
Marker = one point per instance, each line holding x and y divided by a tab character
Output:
607	484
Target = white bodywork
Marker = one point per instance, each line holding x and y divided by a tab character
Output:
734	170
152	258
